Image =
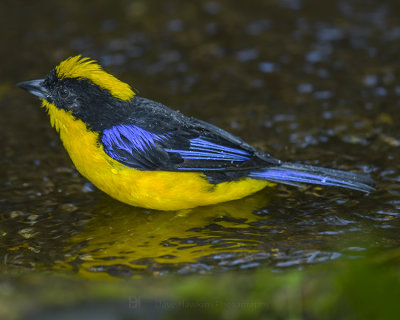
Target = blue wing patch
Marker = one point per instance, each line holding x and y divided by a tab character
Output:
139	148
201	149
130	144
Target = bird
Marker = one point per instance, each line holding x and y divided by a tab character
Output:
148	155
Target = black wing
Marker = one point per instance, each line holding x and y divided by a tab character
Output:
159	138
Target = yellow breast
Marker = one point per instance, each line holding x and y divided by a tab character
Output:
161	190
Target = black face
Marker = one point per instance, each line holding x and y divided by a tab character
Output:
63	93
87	101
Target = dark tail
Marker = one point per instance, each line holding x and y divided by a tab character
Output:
291	173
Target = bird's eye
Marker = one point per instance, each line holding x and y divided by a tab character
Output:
64	93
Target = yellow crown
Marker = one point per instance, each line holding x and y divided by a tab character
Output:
85	68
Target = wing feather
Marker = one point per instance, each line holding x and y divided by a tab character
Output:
189	151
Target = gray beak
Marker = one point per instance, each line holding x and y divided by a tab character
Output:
35	87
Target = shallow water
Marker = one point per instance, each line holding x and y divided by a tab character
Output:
304	81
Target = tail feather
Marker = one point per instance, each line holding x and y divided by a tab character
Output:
293	173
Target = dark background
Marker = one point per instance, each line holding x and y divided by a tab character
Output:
310	81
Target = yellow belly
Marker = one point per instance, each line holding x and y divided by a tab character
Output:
161	190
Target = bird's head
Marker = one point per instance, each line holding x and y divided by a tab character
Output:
81	87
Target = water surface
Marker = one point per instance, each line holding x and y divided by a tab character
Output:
303	80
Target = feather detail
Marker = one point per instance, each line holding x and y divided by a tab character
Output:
201	149
292	173
85	68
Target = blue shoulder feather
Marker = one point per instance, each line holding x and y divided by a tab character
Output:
130	144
